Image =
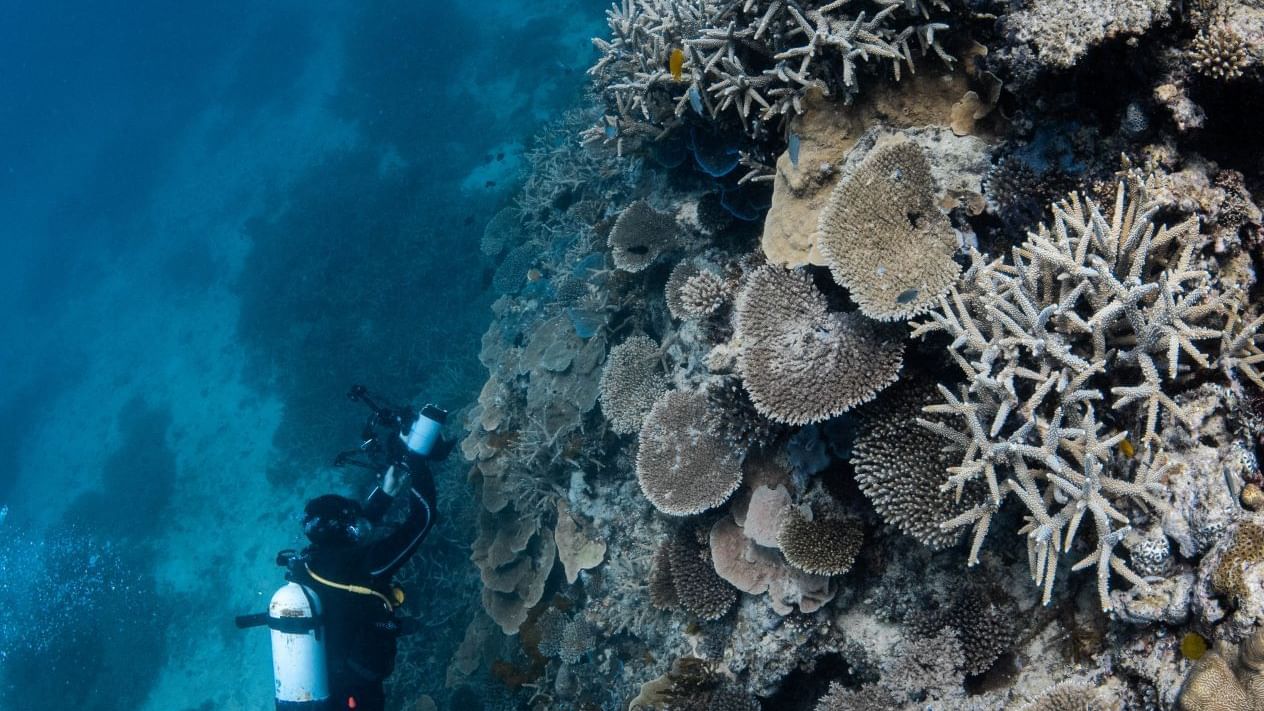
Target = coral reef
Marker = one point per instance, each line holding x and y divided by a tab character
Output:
849	317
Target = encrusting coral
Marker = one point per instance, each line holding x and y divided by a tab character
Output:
1096	302
683	467
885	239
801	362
640	235
630	383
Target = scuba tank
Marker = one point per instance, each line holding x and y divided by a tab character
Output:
299	668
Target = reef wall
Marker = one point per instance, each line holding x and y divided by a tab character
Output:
881	355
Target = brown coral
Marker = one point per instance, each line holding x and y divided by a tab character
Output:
884	237
630	383
682	465
822	546
901	466
699	590
802	363
1219	53
640	235
1247	549
702	295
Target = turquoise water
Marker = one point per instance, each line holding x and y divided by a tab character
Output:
216	218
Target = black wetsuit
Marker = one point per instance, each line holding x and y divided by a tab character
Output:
361	628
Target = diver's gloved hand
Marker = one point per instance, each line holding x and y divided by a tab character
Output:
394	481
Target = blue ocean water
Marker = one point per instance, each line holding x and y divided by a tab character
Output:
216	218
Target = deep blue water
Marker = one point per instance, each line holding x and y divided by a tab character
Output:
215	217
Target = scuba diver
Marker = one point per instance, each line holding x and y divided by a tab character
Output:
353	579
334	624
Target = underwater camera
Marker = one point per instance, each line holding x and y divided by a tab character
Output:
395	436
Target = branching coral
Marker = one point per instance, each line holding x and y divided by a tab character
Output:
884	237
699	590
630	383
756	57
801	362
683	467
983	620
901	466
822	545
1085	305
501	230
1219	53
694	293
640	234
735	419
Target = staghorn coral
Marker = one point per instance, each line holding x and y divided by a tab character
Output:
757	58
822	545
683	467
640	235
883	236
902	467
1219	53
630	383
802	363
1092	303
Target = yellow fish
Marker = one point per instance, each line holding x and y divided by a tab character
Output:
1125	446
676	63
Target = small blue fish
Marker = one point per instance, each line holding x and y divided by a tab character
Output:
906	296
695	99
793	147
612	131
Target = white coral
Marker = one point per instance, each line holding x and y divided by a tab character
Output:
1096	303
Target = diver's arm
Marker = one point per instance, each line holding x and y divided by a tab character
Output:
389	554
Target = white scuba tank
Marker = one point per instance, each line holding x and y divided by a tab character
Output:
298	650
